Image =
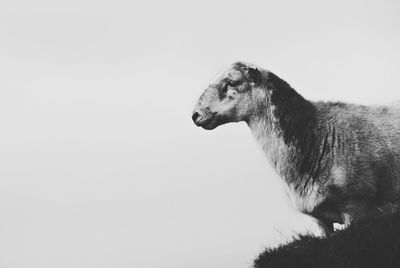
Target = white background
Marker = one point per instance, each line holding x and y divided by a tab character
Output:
100	164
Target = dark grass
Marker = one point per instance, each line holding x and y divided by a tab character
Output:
368	243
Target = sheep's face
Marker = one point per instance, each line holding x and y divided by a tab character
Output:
228	99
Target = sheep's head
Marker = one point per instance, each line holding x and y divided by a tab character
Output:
229	98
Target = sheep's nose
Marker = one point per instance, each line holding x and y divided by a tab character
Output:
195	116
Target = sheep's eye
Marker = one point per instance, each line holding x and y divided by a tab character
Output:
233	83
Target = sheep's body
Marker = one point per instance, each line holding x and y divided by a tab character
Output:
345	164
340	162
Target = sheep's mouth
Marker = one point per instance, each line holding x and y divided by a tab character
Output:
206	122
212	121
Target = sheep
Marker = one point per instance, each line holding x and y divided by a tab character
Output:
340	162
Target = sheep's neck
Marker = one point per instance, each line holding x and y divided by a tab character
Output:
290	148
271	141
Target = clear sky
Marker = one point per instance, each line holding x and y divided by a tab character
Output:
101	165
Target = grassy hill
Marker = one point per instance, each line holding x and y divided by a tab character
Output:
368	243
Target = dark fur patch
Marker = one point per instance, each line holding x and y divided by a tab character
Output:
296	115
297	119
254	75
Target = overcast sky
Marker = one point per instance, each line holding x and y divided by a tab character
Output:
101	165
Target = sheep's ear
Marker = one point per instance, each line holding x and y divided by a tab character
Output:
253	75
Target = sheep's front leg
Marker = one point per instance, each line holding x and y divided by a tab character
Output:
354	211
326	226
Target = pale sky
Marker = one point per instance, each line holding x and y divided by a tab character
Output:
101	165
